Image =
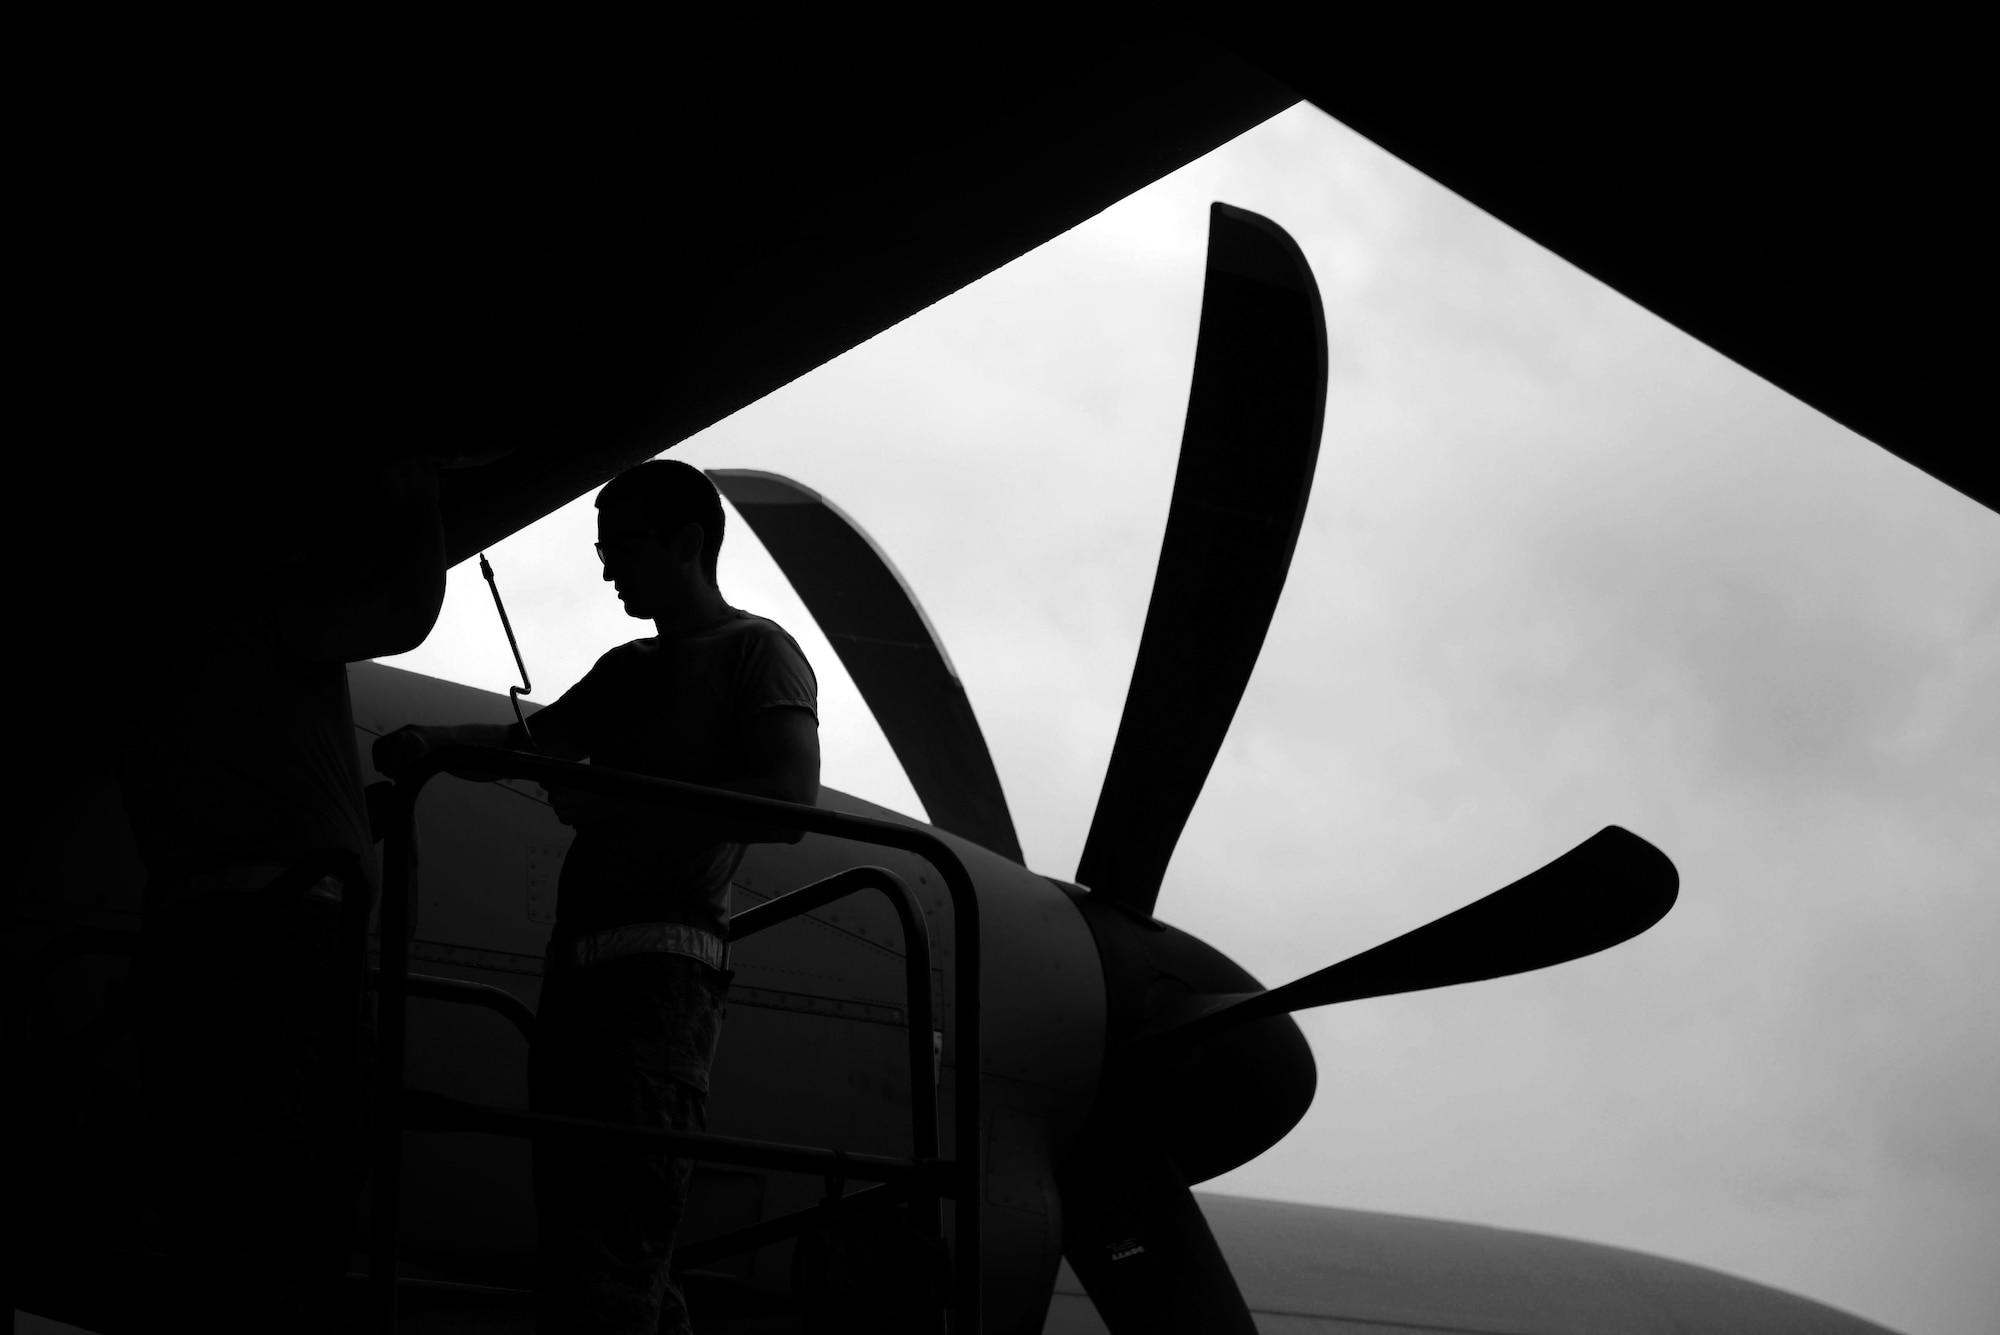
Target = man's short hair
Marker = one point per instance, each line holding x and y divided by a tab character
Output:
672	494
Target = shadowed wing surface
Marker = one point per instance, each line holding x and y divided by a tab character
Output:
874	622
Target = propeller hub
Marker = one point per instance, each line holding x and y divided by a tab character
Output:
1212	1105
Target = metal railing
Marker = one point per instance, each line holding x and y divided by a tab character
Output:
426	1111
497	999
925	1176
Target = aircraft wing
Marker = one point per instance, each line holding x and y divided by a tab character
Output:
1807	203
1828	242
573	245
575	242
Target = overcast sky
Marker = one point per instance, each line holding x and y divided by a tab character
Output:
1563	567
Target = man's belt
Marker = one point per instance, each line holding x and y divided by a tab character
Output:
639	938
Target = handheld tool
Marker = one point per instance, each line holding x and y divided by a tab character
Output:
514	693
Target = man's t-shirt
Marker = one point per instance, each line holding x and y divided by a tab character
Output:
235	749
672	709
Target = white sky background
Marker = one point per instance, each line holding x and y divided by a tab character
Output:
1563	567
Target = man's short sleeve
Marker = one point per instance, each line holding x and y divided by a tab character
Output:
776	675
573	711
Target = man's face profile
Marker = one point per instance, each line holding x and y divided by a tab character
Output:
644	565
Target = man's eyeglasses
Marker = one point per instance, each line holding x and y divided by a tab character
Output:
618	545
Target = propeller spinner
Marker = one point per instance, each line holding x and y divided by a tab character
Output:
1203	1068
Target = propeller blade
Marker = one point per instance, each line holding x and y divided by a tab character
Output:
874	622
1608	889
1138	1242
1246	466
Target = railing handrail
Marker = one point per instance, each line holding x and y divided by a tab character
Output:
487	997
399	882
425	1110
916	976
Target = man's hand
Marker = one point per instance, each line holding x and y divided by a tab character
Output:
396	751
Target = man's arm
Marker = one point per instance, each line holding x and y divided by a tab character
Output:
556	734
780	759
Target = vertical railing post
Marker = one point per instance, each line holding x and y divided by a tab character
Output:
399	882
969	1154
344	1067
926	1205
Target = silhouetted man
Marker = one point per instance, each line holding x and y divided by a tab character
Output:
632	1003
237	764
